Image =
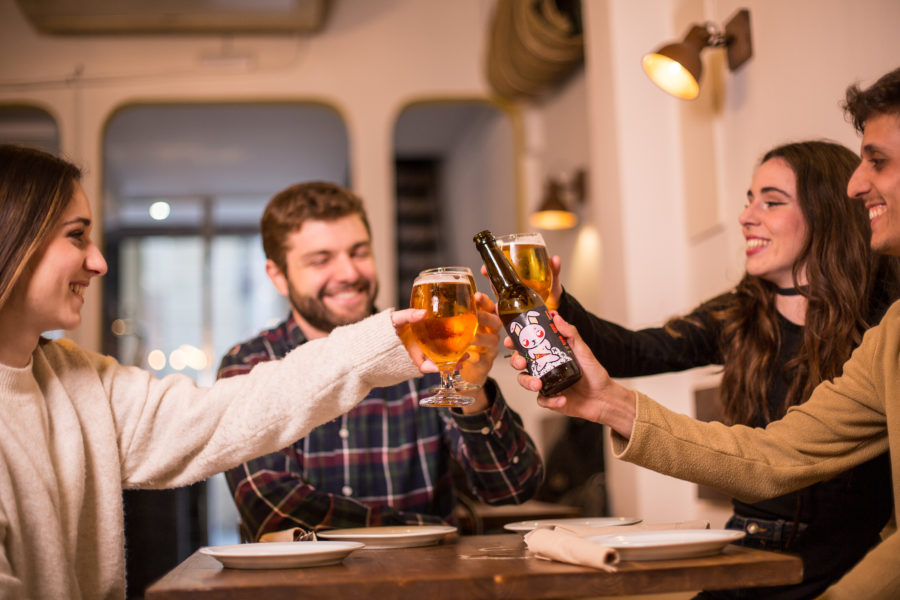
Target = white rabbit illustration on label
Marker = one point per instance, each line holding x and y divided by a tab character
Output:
531	333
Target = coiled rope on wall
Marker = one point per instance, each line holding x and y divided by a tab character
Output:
534	45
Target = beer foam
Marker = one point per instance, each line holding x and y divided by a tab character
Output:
443	278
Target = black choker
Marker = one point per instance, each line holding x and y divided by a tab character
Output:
791	291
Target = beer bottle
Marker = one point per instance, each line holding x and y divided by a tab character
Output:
528	322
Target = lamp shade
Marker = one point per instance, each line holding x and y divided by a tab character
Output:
553	213
553	219
676	68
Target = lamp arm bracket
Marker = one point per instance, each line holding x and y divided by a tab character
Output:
717	37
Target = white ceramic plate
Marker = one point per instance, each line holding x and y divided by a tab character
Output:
400	536
281	555
525	526
672	543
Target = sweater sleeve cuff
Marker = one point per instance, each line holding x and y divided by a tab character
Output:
626	448
384	359
492	414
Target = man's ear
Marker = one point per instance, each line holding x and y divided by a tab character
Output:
278	277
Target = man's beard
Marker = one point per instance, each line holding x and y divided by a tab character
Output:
319	316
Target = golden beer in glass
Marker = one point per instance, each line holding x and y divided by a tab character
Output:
528	254
447	329
458	382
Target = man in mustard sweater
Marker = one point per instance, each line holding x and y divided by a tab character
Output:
844	423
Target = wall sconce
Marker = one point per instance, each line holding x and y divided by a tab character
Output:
676	68
556	211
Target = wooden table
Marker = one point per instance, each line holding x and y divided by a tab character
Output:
484	566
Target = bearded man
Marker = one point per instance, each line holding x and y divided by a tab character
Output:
387	461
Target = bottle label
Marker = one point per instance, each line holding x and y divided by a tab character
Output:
544	352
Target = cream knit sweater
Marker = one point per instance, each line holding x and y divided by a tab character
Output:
77	427
844	423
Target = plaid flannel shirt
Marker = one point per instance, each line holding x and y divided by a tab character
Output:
386	462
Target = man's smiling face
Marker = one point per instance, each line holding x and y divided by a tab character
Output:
877	181
331	277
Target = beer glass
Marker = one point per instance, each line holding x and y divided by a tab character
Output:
528	254
458	382
447	329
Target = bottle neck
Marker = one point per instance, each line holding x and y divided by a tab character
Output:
501	272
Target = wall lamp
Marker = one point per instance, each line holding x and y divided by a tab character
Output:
676	68
556	210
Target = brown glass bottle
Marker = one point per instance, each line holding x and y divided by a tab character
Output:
528	322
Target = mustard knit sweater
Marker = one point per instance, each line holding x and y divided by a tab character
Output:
844	423
77	427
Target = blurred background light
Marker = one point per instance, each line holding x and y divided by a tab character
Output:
160	210
157	360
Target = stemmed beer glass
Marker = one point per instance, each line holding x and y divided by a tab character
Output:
528	254
448	327
455	378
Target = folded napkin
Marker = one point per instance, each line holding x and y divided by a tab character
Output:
556	543
568	544
294	534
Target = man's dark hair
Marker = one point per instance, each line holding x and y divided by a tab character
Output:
882	98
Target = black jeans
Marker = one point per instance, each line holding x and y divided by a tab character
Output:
763	534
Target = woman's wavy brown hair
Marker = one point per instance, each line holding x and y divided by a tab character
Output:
841	271
35	189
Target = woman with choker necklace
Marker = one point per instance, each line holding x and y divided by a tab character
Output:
811	288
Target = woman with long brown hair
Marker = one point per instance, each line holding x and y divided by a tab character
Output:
810	290
77	427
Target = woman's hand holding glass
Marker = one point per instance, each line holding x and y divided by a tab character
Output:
595	397
402	321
